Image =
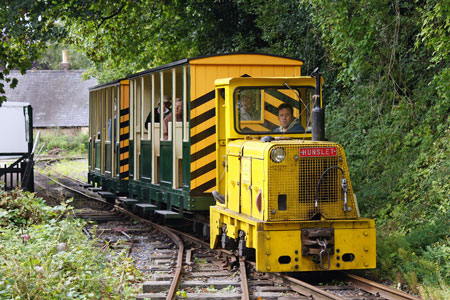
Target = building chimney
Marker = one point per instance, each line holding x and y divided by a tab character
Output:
64	65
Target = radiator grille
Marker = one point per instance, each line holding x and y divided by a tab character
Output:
292	186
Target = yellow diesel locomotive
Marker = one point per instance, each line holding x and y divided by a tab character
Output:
244	156
280	193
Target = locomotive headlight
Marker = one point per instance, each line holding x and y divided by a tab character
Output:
278	155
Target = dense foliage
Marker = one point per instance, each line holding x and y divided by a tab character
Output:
391	112
70	143
45	256
28	26
387	73
52	57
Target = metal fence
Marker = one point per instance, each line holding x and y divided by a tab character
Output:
18	174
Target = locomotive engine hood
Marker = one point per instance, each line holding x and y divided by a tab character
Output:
293	180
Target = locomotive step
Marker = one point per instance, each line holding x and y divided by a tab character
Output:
106	194
86	185
127	200
143	209
146	206
169	214
109	197
94	189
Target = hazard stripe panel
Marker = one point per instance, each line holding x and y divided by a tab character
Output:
203	144
202	153
124	150
206	168
204	117
198	138
202	100
206	187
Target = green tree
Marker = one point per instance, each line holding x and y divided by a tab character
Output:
27	27
25	30
390	109
147	34
52	57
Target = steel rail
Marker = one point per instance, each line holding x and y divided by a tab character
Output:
295	284
62	175
73	190
201	242
376	288
244	282
173	236
304	288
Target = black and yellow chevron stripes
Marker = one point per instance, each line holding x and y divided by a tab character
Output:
203	137
271	104
203	144
124	151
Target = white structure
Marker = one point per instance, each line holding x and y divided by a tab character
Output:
14	127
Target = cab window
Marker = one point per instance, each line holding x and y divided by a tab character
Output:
272	110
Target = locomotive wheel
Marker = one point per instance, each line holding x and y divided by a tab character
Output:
241	243
206	231
227	243
242	248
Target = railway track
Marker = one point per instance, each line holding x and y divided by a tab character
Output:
177	265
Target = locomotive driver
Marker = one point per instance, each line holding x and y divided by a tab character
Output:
287	120
247	111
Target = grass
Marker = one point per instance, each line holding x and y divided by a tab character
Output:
57	143
73	168
70	144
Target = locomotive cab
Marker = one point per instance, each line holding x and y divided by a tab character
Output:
281	196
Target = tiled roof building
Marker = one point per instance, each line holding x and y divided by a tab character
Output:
60	98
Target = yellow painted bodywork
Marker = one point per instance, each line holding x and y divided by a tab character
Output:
273	224
202	73
273	240
101	112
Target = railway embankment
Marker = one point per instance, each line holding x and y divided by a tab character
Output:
44	254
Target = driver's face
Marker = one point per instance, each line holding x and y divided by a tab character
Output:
247	103
285	117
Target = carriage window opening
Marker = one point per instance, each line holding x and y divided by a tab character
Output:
146	105
272	110
166	98
185	112
159	111
178	117
97	111
137	105
107	113
132	107
112	131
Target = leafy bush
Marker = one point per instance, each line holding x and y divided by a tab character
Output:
18	208
73	144
50	258
390	109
